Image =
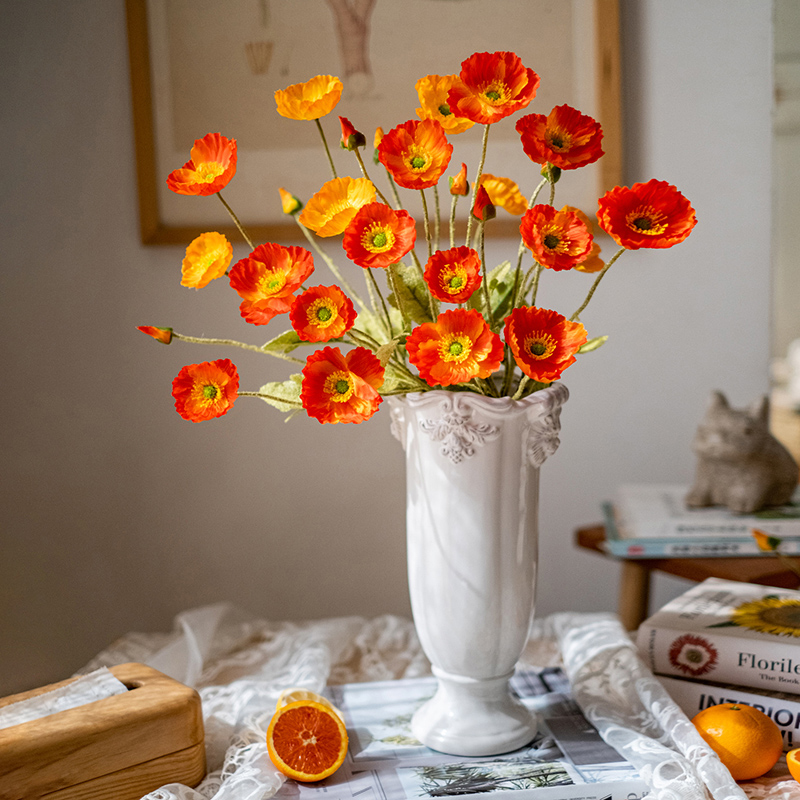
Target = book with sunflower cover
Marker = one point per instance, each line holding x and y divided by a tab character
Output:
728	632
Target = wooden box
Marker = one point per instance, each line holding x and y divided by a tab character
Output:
118	748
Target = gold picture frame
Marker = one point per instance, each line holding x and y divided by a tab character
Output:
594	29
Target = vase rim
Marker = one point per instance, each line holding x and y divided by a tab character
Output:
552	396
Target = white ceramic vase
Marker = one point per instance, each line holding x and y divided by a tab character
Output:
472	471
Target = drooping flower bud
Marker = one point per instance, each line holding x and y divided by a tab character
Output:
162	335
289	203
375	143
351	138
551	172
459	184
484	209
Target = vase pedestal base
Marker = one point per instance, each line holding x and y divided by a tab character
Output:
473	717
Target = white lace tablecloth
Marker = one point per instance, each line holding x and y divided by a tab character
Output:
239	665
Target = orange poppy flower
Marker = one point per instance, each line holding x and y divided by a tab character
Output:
205	391
211	164
310	100
456	348
558	239
592	262
416	153
505	193
322	313
163	335
483	209
652	214
207	258
491	86
267	279
565	138
332	208
432	91
289	203
459	184
341	388
379	236
453	275
542	341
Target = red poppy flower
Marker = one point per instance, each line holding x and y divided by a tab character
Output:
212	163
456	348
652	214
565	138
207	390
558	239
453	275
322	313
459	184
492	86
543	342
379	236
341	388
163	335
483	209
267	279
416	153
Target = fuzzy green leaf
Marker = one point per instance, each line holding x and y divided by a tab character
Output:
284	343
593	344
413	294
283	390
501	286
384	352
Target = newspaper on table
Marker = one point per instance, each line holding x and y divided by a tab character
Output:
567	760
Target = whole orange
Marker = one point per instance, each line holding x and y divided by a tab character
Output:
746	740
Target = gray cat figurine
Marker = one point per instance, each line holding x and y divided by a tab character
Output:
740	465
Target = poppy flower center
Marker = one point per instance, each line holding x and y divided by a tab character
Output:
272	282
210	391
551	241
454	279
455	347
377	239
647	221
444	110
322	313
417	159
559	141
209	171
540	345
339	386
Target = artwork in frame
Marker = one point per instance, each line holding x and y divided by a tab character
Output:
200	67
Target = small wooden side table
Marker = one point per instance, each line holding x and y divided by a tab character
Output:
634	589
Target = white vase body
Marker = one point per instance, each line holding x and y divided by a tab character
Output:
472	482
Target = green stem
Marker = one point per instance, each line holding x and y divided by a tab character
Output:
535	286
522	384
485	281
355	334
265	396
436	220
431	299
394	280
393	185
325	144
236	221
364	173
377	291
552	192
521	249
478	180
596	283
427	223
453	221
233	343
331	265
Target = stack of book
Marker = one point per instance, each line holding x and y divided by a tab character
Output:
568	760
652	521
729	642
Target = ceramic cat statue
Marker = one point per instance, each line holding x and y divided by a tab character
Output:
740	464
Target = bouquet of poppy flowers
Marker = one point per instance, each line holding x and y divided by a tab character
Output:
492	339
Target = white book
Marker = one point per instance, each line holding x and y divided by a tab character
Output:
567	760
693	696
729	632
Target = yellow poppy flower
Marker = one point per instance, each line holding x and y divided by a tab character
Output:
432	91
310	100
332	208
505	193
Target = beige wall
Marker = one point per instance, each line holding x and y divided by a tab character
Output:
116	514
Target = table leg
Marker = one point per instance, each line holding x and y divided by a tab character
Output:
634	594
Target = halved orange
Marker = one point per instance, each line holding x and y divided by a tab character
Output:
306	740
793	762
295	693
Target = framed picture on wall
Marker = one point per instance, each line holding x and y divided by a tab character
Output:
201	67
